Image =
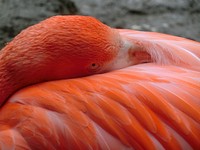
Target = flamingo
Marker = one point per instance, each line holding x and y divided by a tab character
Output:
71	82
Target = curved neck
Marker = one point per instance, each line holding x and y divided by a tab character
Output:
10	78
5	88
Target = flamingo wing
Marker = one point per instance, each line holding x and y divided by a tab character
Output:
142	107
164	39
166	49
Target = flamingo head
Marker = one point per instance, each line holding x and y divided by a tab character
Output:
65	47
61	47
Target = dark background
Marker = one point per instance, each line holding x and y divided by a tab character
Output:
177	17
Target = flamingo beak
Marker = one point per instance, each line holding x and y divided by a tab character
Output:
122	59
128	55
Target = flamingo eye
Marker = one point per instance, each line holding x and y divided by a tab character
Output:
94	66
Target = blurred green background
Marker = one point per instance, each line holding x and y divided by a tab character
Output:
177	17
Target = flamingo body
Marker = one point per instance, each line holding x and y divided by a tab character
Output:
155	105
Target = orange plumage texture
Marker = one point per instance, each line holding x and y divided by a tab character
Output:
152	105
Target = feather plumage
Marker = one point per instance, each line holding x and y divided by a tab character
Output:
147	106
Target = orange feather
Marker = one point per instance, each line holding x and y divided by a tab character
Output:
155	105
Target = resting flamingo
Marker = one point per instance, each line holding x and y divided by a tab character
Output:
71	82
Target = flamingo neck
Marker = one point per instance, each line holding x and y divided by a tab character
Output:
11	78
5	88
